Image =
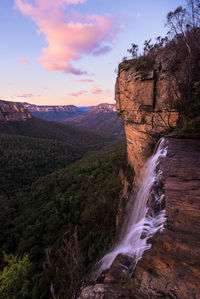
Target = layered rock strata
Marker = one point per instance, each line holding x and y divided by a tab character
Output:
12	111
171	268
142	101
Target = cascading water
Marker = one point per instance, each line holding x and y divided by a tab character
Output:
140	225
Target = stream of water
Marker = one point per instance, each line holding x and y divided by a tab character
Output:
140	226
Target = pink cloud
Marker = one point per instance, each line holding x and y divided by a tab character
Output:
138	14
96	90
25	95
102	50
86	80
69	36
76	94
74	1
23	60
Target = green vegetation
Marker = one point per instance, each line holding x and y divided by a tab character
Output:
58	211
39	128
15	279
25	159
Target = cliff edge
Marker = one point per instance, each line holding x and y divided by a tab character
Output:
12	111
141	101
171	267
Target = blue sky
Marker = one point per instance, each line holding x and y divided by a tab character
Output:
49	49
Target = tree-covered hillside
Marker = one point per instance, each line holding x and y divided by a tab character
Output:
25	159
39	128
75	206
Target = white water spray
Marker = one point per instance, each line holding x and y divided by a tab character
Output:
140	226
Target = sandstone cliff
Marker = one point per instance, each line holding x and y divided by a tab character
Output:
12	111
142	102
171	267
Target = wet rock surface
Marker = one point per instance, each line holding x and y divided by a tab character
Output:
114	281
105	291
121	268
171	268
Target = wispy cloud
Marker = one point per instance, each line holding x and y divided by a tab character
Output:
23	60
69	35
102	50
96	90
25	95
78	93
86	80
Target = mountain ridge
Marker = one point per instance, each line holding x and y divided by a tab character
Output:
13	111
101	117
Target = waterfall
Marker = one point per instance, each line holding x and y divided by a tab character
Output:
140	225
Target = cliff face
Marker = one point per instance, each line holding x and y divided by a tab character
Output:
141	101
172	266
11	111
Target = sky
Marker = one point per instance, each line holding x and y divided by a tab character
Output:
63	52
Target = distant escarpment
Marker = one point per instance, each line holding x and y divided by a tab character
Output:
12	111
52	112
102	117
50	108
142	102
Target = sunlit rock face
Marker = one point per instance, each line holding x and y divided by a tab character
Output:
142	101
11	111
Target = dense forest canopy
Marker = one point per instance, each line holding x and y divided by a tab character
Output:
49	196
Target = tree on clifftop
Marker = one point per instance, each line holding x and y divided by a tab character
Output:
178	54
184	64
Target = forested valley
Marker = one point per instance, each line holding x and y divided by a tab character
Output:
59	200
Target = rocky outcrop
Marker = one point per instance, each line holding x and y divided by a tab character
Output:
12	111
142	101
104	107
171	268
